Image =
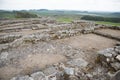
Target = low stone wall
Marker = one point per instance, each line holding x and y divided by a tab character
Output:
110	59
107	35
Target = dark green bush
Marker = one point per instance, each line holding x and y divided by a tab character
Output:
24	14
99	18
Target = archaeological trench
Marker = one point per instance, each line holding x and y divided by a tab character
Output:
44	49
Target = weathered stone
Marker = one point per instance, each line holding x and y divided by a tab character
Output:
51	73
38	76
69	71
78	62
22	78
89	75
118	57
117	49
106	52
73	78
50	70
9	38
3	56
116	65
116	76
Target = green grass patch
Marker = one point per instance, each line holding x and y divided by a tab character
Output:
107	23
64	19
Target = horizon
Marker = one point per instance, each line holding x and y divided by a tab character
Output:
79	5
61	10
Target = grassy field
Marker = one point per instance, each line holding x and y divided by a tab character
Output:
66	20
64	16
108	23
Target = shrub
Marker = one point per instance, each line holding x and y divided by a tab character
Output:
99	18
24	14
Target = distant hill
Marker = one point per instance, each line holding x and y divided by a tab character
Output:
116	14
16	14
46	12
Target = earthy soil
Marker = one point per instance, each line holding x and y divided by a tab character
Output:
89	43
30	64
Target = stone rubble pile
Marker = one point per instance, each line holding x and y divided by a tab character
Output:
9	38
110	57
56	72
72	70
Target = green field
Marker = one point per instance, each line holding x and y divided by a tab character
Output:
108	23
64	15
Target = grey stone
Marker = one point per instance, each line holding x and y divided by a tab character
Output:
38	76
118	57
78	62
116	65
73	77
106	52
117	49
69	71
22	78
116	76
50	70
4	56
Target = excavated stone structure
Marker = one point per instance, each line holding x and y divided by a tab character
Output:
44	49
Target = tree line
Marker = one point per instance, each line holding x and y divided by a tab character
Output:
99	18
24	14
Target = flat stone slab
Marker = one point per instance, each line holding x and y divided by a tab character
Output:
78	62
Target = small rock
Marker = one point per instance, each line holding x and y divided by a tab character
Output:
106	52
38	76
116	76
78	62
4	56
117	49
22	78
116	65
50	71
118	57
108	60
69	71
73	78
89	75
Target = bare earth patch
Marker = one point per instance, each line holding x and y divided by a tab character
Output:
30	64
90	44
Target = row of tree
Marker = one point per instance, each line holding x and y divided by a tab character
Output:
99	18
24	14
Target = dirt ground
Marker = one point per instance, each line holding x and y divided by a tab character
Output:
90	44
30	64
89	41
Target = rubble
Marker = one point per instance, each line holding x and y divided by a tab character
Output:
38	76
110	58
116	76
22	78
78	62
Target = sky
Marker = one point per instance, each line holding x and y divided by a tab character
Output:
86	5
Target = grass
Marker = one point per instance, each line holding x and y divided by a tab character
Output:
108	23
62	19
